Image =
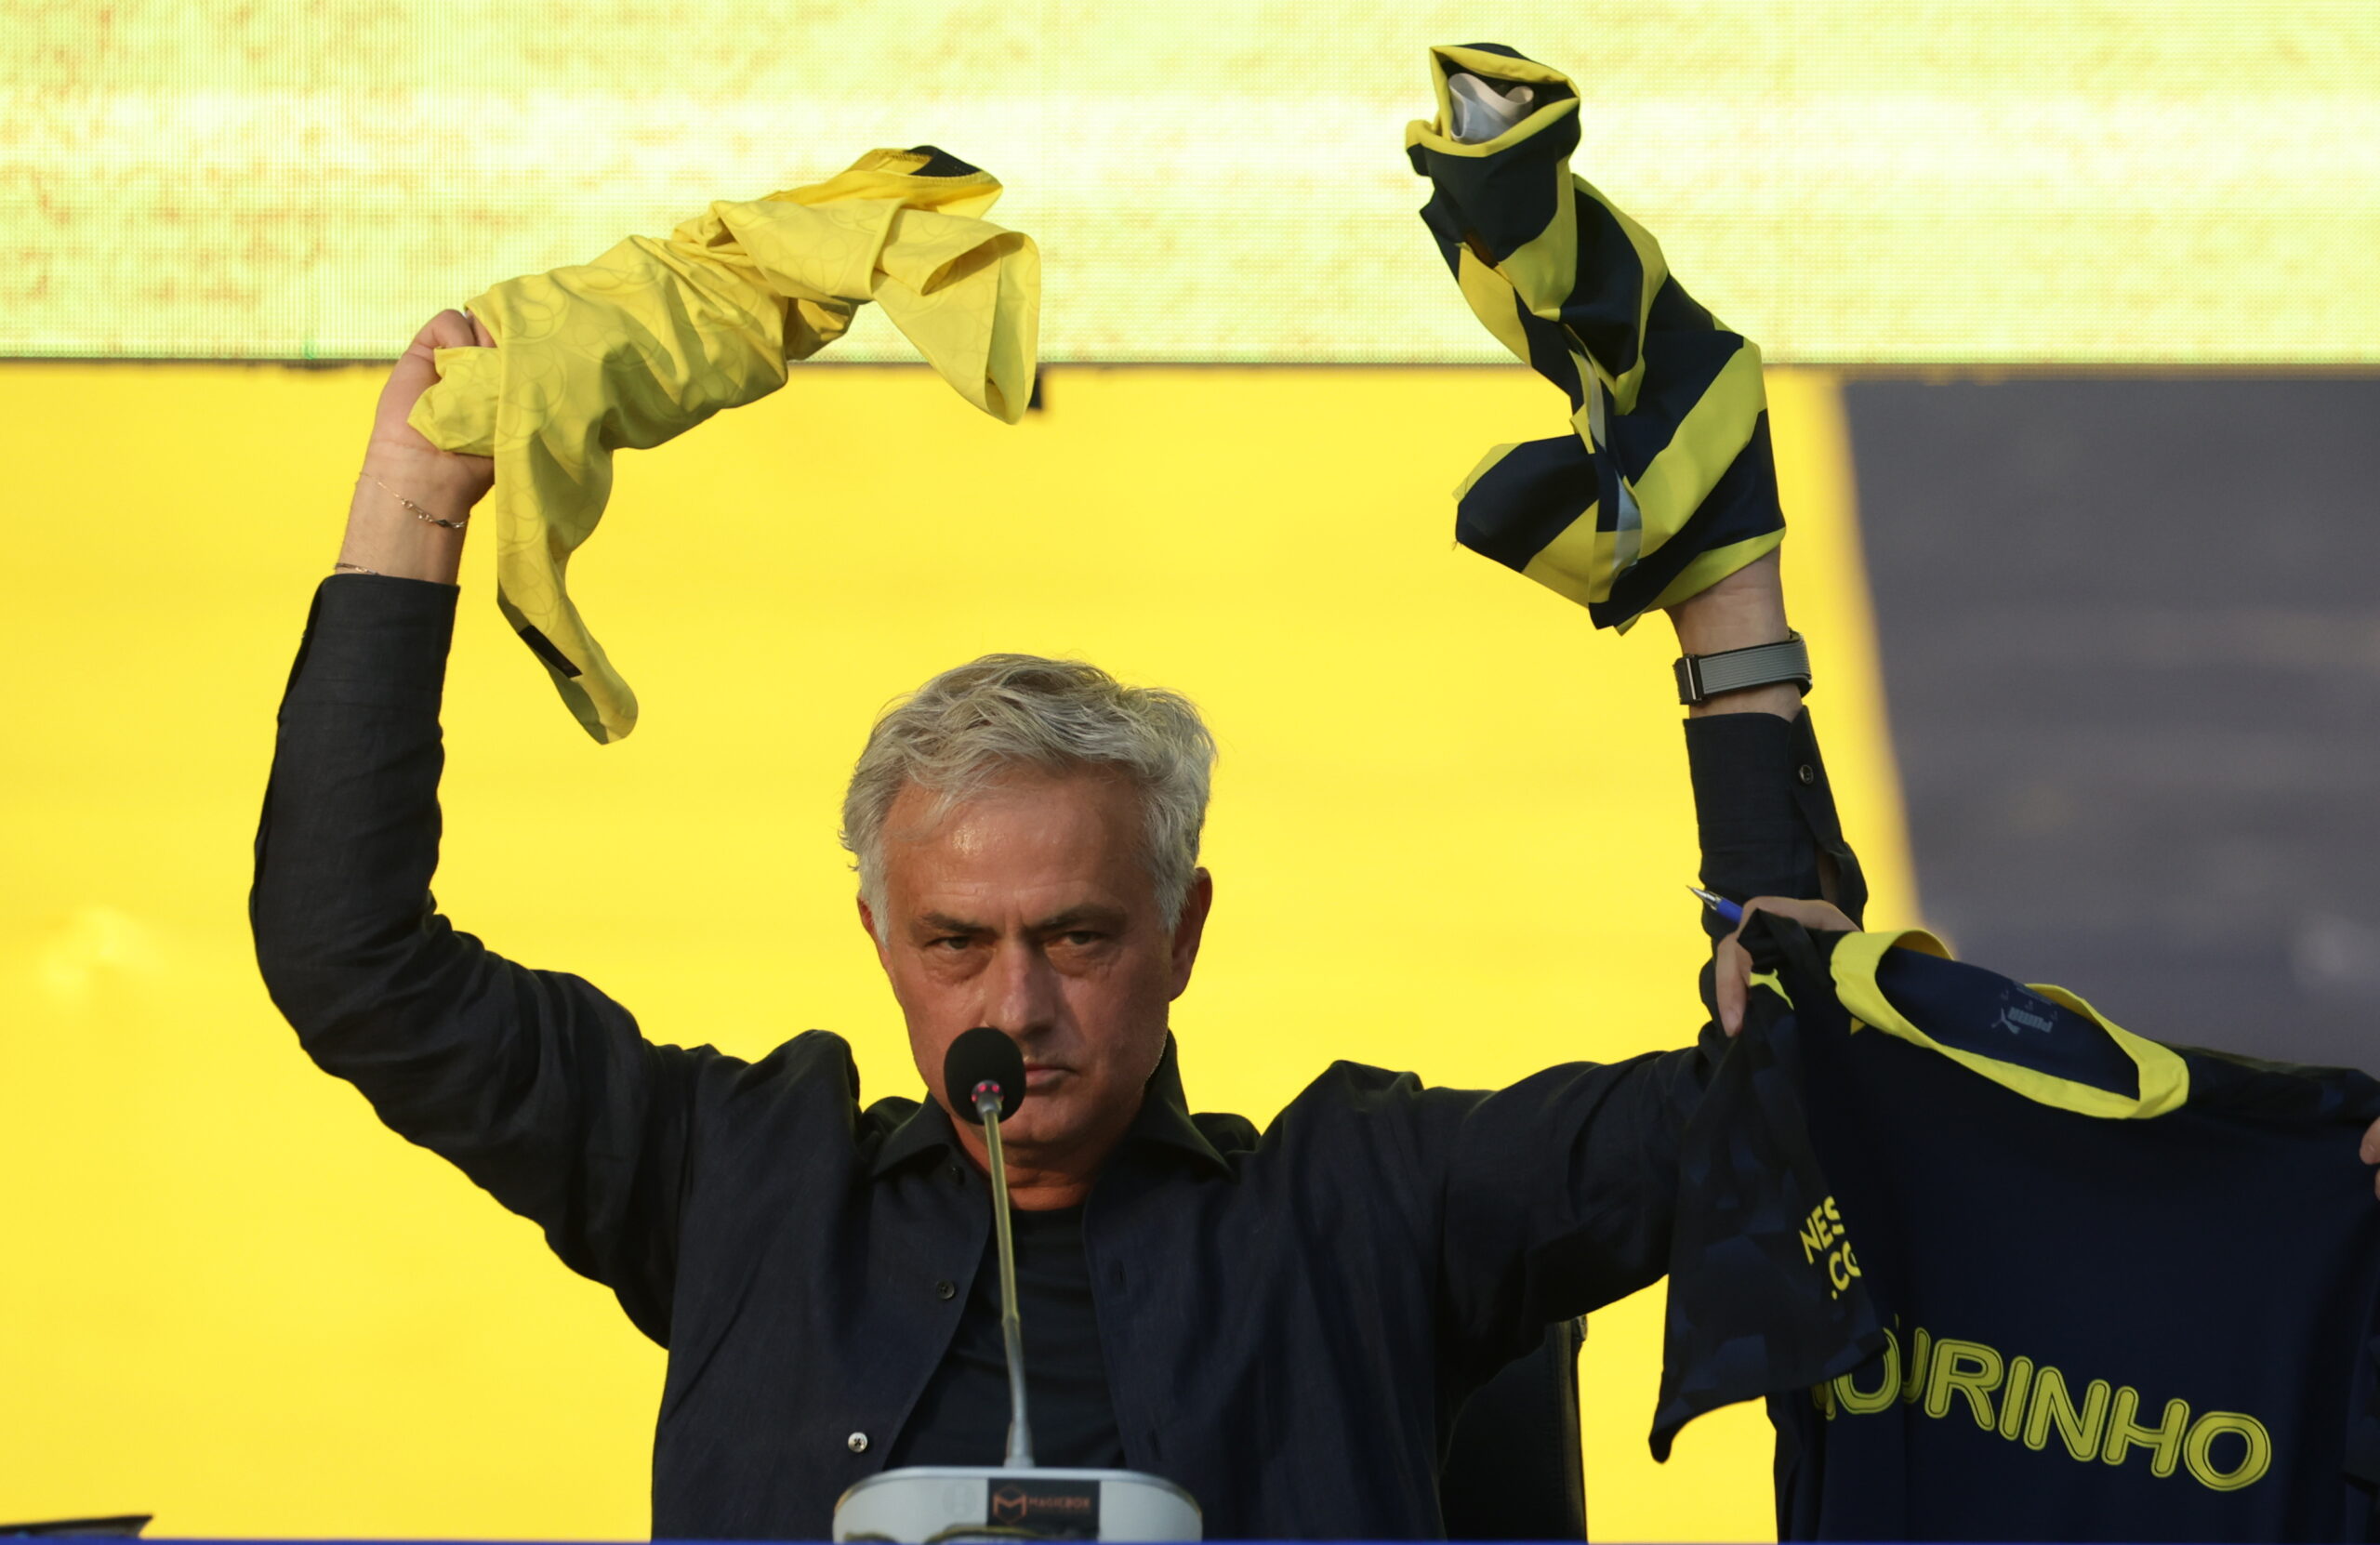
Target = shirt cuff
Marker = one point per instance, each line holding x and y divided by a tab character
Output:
376	636
1766	813
1747	770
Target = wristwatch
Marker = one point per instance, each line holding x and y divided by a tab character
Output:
1704	676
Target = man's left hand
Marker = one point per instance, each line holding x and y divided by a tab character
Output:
1732	964
2371	1153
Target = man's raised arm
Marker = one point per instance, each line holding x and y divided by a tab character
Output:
534	1083
1763	805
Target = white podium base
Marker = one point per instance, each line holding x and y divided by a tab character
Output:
944	1504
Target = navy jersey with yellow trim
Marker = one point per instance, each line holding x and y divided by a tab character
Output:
2097	1287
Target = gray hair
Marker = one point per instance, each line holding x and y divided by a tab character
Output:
958	734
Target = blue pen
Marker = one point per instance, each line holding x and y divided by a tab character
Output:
1721	905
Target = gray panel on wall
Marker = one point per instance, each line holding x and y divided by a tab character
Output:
2131	635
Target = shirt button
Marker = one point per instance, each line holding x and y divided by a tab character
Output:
958	1176
946	1289
856	1443
1807	774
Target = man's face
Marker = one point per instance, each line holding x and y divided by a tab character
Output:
1030	908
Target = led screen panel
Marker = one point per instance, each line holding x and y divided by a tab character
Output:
2014	181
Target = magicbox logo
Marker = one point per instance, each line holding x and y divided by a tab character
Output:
1060	1509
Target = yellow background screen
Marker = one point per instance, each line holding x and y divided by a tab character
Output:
2193	181
1451	833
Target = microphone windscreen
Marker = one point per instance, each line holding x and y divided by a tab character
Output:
983	1053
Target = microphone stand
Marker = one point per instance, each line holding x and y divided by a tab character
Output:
1020	1430
945	1504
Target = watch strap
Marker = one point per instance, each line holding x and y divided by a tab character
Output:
1704	676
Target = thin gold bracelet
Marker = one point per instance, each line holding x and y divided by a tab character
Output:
419	513
353	568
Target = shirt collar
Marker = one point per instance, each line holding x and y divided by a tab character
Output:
1164	1119
1164	1115
926	1130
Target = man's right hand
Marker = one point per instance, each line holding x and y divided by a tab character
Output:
403	472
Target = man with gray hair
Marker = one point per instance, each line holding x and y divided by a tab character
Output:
1284	1322
1026	836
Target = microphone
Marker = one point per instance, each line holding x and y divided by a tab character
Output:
983	1076
983	1056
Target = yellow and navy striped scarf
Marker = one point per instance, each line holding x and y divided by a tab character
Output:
1665	485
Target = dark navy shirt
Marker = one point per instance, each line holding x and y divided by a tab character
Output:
962	1417
1287	1321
